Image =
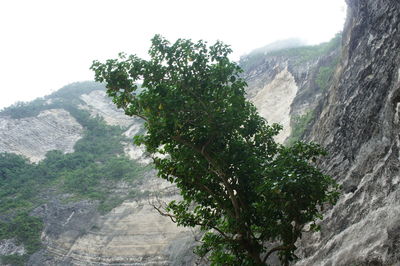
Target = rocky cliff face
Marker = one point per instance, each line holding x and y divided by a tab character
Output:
32	137
285	84
359	124
99	104
273	101
131	234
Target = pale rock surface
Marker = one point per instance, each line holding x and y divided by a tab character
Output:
33	137
133	233
9	247
135	152
99	104
274	100
282	88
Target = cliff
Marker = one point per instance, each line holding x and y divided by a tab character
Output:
53	129
287	84
358	123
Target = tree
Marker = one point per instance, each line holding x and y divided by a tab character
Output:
237	184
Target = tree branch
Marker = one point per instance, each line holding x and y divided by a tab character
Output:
277	248
204	187
217	170
173	219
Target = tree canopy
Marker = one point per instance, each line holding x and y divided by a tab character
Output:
238	185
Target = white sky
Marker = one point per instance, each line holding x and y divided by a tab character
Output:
46	44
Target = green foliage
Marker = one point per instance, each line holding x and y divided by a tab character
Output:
237	183
86	181
25	230
16	185
14	260
300	124
101	141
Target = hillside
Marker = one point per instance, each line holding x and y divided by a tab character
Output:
73	184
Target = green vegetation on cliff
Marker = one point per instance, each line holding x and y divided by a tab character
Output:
67	96
307	53
297	55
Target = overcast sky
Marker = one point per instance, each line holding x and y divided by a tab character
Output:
46	44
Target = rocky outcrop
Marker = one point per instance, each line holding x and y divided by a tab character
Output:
97	103
33	137
133	233
358	123
135	152
75	232
10	247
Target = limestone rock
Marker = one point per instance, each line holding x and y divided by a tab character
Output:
98	103
135	152
283	86
274	100
133	233
9	247
33	137
358	123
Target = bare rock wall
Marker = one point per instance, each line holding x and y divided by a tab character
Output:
359	125
33	137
